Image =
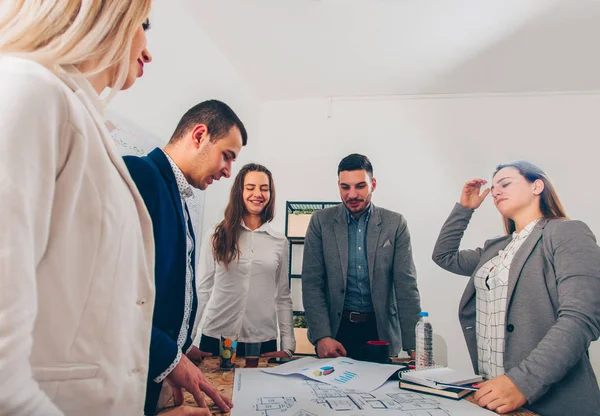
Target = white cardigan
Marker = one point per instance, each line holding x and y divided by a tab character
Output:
76	254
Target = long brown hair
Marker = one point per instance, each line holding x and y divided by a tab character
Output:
225	244
550	204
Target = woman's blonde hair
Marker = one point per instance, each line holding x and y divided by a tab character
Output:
57	33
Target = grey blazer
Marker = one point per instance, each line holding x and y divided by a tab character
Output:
391	271
553	309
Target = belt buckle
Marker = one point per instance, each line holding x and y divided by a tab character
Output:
350	317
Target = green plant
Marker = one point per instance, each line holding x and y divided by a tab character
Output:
299	320
304	211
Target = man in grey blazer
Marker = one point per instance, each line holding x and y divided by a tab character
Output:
358	276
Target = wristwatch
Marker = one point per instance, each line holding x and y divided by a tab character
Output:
410	351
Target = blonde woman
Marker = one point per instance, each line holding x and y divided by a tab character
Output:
76	249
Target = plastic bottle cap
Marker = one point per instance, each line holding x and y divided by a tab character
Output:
423	313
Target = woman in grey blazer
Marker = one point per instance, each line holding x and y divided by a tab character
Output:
532	305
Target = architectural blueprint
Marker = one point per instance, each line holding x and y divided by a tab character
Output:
256	393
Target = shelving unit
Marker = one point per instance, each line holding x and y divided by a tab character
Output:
297	218
298	215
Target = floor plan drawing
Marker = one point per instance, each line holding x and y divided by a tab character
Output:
268	406
304	413
341	400
260	394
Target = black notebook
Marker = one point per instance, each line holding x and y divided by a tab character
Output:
449	392
436	377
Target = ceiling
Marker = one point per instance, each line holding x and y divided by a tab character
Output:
290	49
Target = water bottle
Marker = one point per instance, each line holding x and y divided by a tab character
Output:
424	333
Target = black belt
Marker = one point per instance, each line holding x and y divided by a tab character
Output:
357	317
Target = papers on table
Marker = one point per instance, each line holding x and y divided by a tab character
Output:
256	393
342	372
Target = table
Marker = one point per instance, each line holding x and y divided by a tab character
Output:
223	380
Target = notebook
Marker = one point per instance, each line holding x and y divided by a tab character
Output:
432	376
450	392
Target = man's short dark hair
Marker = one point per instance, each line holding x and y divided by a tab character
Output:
217	116
356	162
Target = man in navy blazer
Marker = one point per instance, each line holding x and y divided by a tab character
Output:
206	141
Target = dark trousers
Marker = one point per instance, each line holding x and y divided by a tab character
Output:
354	336
213	345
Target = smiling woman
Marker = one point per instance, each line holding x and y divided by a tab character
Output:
242	264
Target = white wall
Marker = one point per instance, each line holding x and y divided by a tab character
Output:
423	150
187	68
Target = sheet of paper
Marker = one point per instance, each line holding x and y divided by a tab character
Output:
341	371
256	393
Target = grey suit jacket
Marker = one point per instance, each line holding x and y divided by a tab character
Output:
553	309
391	271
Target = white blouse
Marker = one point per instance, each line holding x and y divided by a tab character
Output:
252	296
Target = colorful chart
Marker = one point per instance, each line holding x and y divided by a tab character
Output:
323	371
345	377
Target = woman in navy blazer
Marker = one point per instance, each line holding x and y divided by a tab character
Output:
531	307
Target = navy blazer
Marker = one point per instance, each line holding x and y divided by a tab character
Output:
156	182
